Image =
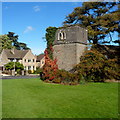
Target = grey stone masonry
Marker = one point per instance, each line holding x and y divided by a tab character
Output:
72	34
69	45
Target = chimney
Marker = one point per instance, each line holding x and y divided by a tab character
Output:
13	50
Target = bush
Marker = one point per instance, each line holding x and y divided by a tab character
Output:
66	77
57	80
38	70
29	71
18	66
50	68
51	74
94	66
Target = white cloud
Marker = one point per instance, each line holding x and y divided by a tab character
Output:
36	8
28	29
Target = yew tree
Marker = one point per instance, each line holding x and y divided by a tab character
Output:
100	18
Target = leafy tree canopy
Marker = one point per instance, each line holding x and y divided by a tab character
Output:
97	67
10	66
15	43
100	18
10	40
5	42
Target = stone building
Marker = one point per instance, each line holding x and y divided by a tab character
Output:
25	57
69	45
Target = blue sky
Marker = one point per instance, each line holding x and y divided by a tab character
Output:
29	20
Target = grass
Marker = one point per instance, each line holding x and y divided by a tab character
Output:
32	98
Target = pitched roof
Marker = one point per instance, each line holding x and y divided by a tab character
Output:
14	53
39	57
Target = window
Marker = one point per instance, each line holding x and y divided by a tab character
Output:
17	60
25	67
33	60
29	67
61	35
11	60
29	60
25	60
33	67
64	35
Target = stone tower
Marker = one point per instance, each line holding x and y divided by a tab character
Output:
69	45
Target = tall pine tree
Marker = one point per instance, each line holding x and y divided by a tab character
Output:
15	43
100	18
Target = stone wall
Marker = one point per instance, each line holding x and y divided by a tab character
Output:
73	34
68	55
70	43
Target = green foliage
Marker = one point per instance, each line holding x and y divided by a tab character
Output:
10	40
100	18
50	37
5	42
22	46
38	70
50	73
19	66
65	77
15	43
29	71
96	67
10	66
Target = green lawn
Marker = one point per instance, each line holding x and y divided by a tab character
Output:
32	98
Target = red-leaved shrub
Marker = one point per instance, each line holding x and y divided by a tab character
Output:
50	68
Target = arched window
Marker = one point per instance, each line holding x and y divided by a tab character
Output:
64	35
61	35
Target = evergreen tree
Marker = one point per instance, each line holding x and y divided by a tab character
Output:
100	18
12	39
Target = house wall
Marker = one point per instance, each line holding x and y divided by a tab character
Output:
29	61
3	59
41	63
37	64
28	65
